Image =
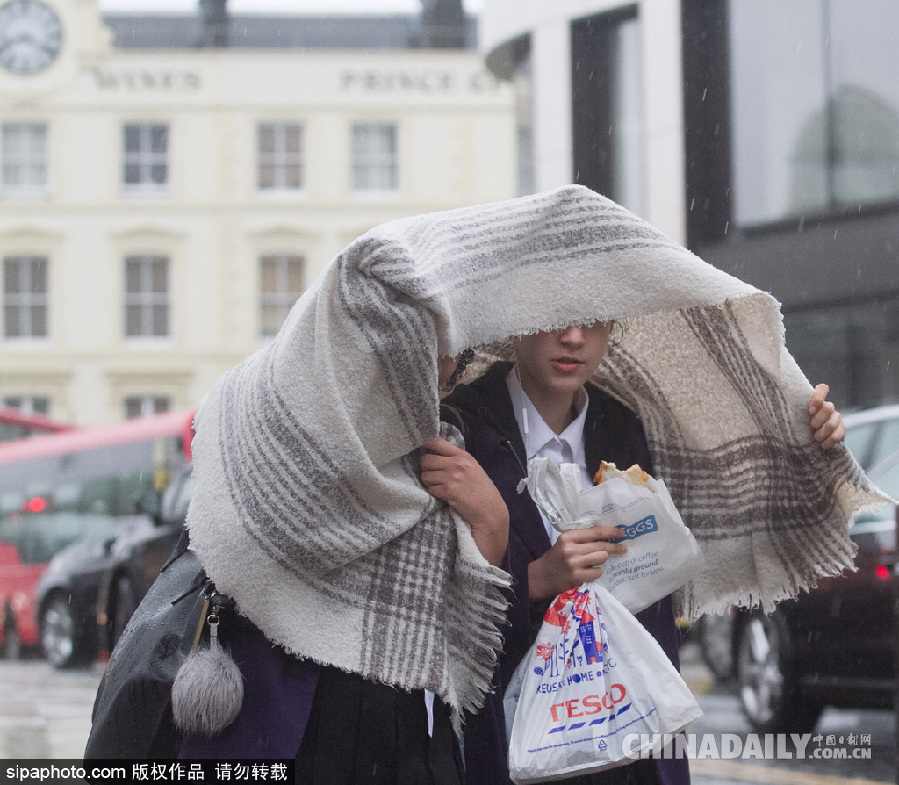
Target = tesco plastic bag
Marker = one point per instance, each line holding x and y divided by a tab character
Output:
593	677
662	553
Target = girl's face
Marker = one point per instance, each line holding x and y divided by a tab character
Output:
558	362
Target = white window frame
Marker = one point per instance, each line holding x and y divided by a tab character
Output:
30	405
375	168
26	300
281	158
25	170
145	158
281	300
146	299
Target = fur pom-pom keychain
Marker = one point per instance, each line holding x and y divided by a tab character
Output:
208	689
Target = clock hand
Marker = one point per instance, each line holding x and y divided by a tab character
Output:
22	38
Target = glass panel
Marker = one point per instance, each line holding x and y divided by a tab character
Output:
292	138
132	408
854	348
39	321
132	138
159	174
295	274
38	275
266	138
160	320
132	320
269	275
38	174
888	441
132	174
292	176
266	176
270	320
132	275
38	140
815	106
160	270
11	275
162	404
159	138
10	174
11	318
858	442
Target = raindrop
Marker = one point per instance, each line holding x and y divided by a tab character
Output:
835	233
704	93
692	202
726	226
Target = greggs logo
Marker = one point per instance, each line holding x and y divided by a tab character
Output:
639	528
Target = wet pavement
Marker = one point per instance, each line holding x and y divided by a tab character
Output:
45	715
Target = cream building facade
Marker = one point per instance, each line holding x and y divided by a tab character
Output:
161	209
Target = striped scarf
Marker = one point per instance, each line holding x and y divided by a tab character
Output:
307	507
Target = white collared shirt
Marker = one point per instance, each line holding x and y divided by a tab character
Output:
541	441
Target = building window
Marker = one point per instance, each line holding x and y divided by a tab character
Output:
607	101
28	405
375	157
146	405
145	162
24	147
280	157
282	283
25	297
814	107
146	296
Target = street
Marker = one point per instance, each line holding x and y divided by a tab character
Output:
45	714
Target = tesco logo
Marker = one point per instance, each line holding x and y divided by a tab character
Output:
590	704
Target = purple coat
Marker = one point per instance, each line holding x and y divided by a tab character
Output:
612	432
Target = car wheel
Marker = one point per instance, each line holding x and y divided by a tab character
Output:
715	634
62	642
765	675
125	598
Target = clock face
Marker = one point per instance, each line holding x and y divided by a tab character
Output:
30	36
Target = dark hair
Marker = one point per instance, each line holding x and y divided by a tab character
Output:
463	362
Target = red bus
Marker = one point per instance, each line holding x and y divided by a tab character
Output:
15	425
67	500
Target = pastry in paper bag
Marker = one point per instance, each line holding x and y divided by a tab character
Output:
662	553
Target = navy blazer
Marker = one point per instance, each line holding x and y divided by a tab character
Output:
483	411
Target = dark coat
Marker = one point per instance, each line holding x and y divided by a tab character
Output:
612	432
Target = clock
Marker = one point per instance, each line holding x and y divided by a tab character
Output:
30	36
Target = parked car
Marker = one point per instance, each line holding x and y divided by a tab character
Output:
137	559
66	595
833	645
91	588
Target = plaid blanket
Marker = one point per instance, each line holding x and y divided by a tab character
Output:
307	507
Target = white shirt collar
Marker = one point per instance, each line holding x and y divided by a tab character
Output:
541	440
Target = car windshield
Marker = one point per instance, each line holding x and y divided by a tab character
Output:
876	529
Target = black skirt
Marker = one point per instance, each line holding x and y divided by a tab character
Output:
363	733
